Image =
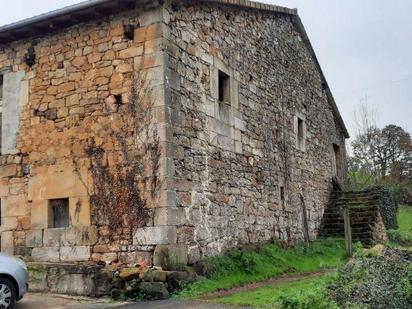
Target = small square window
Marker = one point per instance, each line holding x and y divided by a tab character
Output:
60	216
224	87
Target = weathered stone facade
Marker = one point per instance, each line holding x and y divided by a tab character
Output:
180	129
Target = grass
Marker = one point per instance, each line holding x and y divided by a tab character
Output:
403	235
241	267
310	291
405	218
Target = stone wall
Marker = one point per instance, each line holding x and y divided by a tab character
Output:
87	126
238	171
122	117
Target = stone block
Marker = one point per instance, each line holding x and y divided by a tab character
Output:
131	52
7	243
109	257
154	290
79	236
34	238
155	276
75	254
155	235
15	96
72	284
52	237
8	224
148	33
40	214
170	216
59	181
46	254
79	208
131	273
14	206
168	256
4	187
38	279
134	258
8	170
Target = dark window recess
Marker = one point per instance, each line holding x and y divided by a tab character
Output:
338	161
129	32
118	99
301	136
60	212
30	58
224	87
1	88
278	135
1	126
282	193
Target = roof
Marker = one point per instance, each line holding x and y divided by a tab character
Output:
81	12
74	14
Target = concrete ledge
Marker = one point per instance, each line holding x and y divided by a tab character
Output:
70	279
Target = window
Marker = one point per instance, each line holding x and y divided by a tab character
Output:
338	161
1	88
282	193
300	134
59	213
278	135
224	87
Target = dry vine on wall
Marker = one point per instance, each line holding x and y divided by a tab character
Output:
121	193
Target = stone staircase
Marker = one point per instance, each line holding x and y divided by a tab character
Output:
364	216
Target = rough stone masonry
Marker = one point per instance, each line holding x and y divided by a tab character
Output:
138	131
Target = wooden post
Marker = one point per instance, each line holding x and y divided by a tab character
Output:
305	221
348	231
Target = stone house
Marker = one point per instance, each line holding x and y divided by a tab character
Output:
136	130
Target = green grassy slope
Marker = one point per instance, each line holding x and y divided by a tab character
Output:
270	260
307	289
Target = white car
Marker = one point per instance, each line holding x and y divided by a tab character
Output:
14	281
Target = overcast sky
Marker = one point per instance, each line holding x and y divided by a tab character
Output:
364	48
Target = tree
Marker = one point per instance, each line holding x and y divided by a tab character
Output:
386	152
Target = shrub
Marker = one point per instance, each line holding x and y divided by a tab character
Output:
388	207
374	282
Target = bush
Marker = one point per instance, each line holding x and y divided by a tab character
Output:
374	282
388	207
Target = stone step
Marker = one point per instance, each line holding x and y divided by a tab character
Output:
339	209
342	204
354	195
353	215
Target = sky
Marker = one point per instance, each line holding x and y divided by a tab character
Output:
364	48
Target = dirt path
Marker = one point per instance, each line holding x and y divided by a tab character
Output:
50	301
273	281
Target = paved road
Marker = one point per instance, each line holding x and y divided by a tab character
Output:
48	301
